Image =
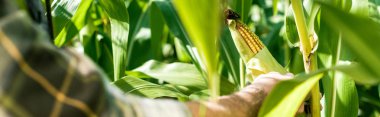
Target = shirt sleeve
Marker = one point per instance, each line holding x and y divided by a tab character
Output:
38	79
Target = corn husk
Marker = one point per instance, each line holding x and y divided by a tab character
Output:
257	58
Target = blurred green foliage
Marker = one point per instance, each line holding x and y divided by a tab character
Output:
155	48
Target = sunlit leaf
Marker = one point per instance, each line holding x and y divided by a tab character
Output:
177	29
119	19
347	102
157	25
201	95
179	75
139	9
361	38
105	60
275	9
91	46
287	96
290	28
62	12
131	85
230	55
141	48
72	27
202	22
359	7
183	74
182	54
359	73
328	82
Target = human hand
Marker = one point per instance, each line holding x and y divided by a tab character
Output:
269	80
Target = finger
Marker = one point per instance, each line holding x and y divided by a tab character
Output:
289	74
268	75
276	75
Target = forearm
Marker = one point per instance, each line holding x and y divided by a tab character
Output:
245	103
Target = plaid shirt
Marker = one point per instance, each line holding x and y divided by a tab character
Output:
38	79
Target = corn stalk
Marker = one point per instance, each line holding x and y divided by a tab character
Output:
307	46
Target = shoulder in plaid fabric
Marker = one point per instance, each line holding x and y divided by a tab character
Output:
255	55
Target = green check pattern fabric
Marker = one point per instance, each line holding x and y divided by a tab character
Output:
38	80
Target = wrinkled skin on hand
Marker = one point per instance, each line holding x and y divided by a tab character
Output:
268	81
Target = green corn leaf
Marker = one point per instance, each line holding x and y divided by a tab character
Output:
340	95
359	7
136	86
274	5
140	38
139	9
179	75
328	56
334	84
294	66
182	74
72	27
62	12
91	46
149	38
230	55
141	46
359	73
362	41
287	96
119	20
172	20
347	102
184	44
291	29
327	84
201	95
158	32
97	44
88	36
105	60
243	7
176	27
182	53
202	20
378	89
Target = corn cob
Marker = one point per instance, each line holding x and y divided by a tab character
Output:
250	38
255	55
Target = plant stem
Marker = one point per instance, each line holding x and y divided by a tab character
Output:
49	18
315	94
308	57
301	27
242	73
334	63
214	80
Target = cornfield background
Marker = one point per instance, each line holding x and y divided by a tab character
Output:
184	50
